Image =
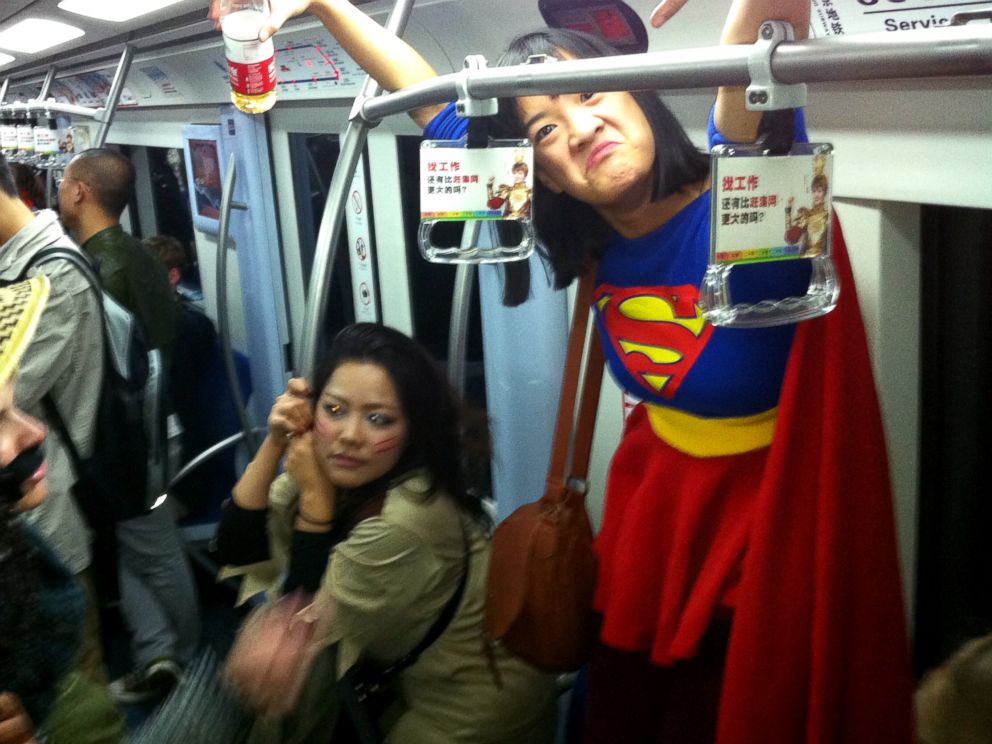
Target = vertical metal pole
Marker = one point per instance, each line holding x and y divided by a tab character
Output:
333	217
223	328
461	311
114	95
47	85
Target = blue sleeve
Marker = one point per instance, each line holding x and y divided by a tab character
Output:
715	137
447	125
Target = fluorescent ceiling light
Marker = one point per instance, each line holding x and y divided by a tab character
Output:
36	34
5	59
114	10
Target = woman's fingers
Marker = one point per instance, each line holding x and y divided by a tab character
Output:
279	14
664	11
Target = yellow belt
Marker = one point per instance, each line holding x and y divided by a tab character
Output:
712	437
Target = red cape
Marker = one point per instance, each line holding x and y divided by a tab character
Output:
819	649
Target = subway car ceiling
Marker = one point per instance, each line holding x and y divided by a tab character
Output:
885	132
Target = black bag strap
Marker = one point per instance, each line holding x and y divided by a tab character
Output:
79	260
352	696
437	628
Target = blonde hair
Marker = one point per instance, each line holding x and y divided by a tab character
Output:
954	701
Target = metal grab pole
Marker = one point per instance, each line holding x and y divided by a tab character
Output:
461	311
946	52
227	203
333	218
116	86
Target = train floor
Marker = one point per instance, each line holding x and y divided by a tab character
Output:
220	620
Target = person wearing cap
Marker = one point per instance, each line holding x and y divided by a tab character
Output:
43	696
65	362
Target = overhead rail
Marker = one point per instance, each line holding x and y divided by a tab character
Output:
950	51
333	217
104	115
946	52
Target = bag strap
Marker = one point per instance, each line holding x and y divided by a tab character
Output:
591	383
558	470
79	260
438	627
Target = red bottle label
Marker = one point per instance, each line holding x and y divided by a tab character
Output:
253	78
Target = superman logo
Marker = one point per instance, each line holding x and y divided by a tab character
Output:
657	333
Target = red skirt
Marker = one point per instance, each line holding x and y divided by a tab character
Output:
675	529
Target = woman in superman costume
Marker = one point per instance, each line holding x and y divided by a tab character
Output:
748	582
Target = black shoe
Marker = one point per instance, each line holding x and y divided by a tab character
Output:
151	682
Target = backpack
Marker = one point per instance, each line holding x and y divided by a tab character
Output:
113	483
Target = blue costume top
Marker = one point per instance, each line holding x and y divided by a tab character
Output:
658	345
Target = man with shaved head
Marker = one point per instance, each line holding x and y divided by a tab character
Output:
158	596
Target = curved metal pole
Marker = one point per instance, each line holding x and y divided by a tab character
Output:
461	311
227	203
333	218
212	450
948	51
3	89
114	95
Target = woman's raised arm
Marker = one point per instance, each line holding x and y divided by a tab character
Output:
290	416
390	61
745	18
743	21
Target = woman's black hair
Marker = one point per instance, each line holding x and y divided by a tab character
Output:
570	231
438	438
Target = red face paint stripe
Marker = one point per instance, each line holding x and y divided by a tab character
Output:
387	444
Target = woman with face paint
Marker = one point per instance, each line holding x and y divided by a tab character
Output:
42	697
374	518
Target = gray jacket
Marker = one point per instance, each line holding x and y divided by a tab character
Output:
66	359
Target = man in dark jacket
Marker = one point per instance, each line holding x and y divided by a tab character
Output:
158	596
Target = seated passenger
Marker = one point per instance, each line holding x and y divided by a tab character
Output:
43	696
373	515
199	392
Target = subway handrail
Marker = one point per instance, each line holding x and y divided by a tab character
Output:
946	52
332	219
227	203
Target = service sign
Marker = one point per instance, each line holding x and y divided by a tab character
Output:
838	17
461	183
770	208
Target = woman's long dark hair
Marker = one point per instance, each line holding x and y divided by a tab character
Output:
439	438
570	231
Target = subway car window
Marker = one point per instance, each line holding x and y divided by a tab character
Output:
313	159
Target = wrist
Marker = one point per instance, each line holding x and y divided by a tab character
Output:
315	522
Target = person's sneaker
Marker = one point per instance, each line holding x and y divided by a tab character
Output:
150	682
